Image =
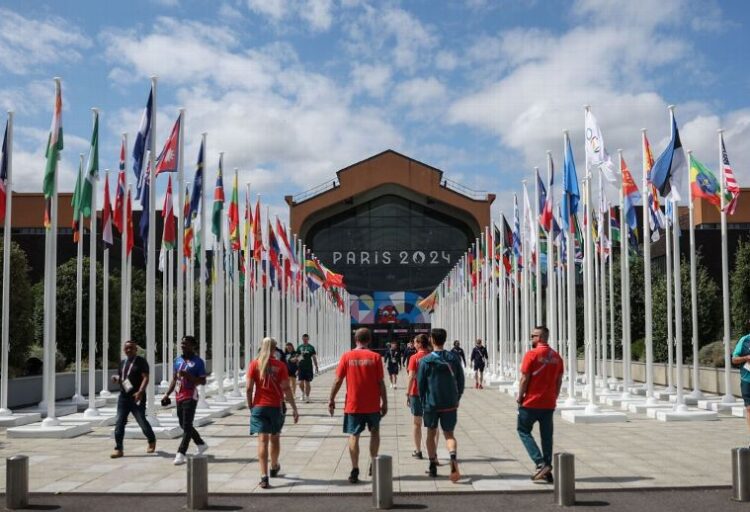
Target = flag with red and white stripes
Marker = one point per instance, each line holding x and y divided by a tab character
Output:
732	187
107	215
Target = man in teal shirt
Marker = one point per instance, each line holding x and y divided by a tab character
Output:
741	358
305	372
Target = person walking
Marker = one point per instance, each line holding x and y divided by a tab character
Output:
539	387
422	343
741	358
409	351
393	363
307	356
267	385
366	399
479	359
291	357
459	351
189	373
440	382
133	376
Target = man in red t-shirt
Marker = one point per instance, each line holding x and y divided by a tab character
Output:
541	378
366	400
413	402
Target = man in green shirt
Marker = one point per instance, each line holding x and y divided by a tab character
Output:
307	356
741	358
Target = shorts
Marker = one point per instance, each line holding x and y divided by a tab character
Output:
478	367
745	388
415	405
266	420
393	369
447	419
355	423
305	375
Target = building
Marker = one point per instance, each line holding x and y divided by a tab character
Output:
394	227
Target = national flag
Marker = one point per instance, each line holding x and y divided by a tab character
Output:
197	192
703	183
428	303
144	222
107	215
570	187
168	159
315	275
234	216
76	204
92	172
273	248
614	224
286	248
248	226
332	278
142	144
257	234
218	200
546	218
129	224
187	244
596	154
508	245
4	174
120	193
516	228
531	225
666	174
655	215
54	146
167	212
630	196
730	183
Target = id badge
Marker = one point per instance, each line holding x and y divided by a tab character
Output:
127	386
178	386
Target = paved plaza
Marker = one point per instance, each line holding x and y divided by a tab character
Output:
640	453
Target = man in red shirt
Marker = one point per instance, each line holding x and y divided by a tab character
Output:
366	399
541	378
413	402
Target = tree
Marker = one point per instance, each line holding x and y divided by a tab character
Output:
739	286
21	306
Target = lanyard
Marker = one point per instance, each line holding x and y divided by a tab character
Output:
127	369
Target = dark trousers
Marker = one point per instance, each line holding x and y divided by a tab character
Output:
526	419
125	406
186	415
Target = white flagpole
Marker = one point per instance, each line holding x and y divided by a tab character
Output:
589	307
91	410
4	410
670	323
151	264
165	335
537	263
551	274
247	312
728	397
168	347
696	394
217	302
647	299
625	287
78	396
124	288
612	378
202	265
105	307
571	302
679	404
180	328
128	268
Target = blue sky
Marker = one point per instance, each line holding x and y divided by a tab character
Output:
294	90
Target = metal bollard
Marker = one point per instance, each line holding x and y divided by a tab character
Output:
197	482
741	474
382	482
564	474
16	482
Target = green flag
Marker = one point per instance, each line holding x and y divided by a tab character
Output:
54	146
218	200
89	183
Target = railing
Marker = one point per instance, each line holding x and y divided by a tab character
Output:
318	189
477	195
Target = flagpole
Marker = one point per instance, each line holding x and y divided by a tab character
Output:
91	411
129	258
105	302
551	279
728	397
247	310
625	287
124	288
589	309
612	378
647	298
78	396
151	263
202	264
164	268
538	263
696	394
217	303
571	302
670	309
167	348
180	230
4	410
679	404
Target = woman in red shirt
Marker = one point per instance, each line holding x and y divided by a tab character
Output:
267	385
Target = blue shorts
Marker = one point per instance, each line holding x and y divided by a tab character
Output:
304	375
745	388
354	424
266	420
446	419
415	405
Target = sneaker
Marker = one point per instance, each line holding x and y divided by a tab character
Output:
481	386
264	484
179	459
354	476
417	454
395	386
275	470
151	447
455	474
202	448
432	469
116	454
542	473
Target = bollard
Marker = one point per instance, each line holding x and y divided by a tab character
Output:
741	474
382	482
564	475
16	482
197	482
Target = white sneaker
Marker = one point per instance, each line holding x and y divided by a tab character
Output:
179	459
395	386
202	448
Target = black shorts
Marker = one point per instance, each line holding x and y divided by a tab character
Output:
393	369
478	367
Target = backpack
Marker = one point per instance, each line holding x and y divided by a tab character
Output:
442	387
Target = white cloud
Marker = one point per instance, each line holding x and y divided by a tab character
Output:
274	9
445	60
317	13
420	92
373	79
27	43
227	12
